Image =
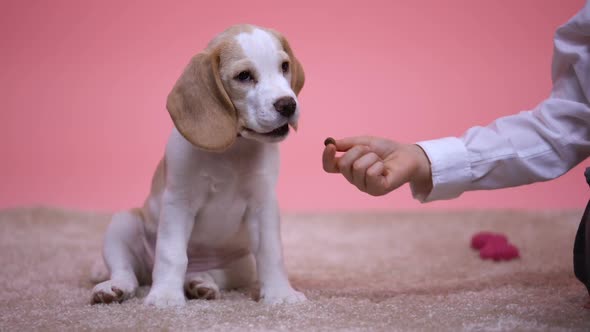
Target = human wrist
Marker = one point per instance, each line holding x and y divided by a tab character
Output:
421	179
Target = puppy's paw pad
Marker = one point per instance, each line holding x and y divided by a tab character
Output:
102	297
112	291
197	289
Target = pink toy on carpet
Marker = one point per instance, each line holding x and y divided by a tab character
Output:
494	246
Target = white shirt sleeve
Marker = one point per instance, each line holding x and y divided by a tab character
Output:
532	146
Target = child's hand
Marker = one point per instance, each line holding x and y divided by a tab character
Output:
377	166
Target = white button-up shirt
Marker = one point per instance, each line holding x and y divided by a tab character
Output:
531	146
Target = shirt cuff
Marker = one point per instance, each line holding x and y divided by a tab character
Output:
451	171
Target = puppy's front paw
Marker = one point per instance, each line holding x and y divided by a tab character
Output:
113	291
164	298
275	295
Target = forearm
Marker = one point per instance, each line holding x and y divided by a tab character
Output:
515	150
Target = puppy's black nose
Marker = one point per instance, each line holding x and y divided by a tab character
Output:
285	106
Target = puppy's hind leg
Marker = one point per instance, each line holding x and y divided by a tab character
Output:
201	285
206	285
123	252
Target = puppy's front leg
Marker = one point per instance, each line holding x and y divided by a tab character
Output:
264	226
174	229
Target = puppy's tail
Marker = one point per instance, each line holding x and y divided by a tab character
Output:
99	272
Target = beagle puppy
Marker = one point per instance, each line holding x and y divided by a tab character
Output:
211	220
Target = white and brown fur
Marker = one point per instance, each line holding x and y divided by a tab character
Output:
211	220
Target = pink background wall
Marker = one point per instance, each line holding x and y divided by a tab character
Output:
83	86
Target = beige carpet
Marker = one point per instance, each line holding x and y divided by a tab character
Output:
361	272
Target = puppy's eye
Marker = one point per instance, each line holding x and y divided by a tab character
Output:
285	67
244	76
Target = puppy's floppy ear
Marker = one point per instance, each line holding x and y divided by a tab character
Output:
200	107
297	74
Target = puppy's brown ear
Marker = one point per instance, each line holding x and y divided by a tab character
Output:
200	107
297	74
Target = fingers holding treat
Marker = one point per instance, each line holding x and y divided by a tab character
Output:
329	159
353	148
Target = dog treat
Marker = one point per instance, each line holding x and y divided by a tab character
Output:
329	140
494	246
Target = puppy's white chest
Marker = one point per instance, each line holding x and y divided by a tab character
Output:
219	187
221	210
213	184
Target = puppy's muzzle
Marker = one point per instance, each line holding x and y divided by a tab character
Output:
286	106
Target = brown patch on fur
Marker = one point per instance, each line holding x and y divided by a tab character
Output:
231	53
297	74
229	33
138	212
199	105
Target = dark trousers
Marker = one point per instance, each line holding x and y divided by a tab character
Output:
582	245
582	250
